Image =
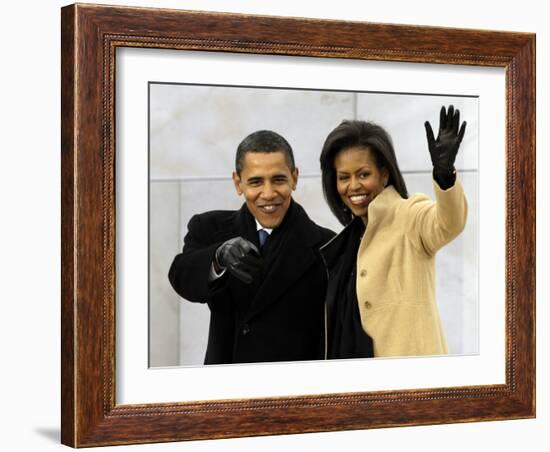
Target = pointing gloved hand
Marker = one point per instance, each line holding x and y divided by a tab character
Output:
241	258
443	150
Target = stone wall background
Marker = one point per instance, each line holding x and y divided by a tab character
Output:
194	132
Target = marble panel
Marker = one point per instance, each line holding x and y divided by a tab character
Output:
195	130
203	195
194	321
403	117
163	301
457	270
310	195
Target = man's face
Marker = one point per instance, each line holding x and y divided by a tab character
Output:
267	183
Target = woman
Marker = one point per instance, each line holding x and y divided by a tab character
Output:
381	293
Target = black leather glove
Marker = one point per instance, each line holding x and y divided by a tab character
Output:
241	258
443	150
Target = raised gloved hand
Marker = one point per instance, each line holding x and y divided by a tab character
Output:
443	150
241	258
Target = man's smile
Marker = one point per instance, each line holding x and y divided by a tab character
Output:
269	208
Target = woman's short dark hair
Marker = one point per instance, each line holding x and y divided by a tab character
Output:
363	134
263	141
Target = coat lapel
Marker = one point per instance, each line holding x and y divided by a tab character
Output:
241	223
291	256
381	212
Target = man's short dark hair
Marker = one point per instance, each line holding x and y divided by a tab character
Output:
263	141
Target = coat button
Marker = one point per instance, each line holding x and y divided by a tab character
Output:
368	304
363	273
245	329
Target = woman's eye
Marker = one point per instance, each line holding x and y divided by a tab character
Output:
364	175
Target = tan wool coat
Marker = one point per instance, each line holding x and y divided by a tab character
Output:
396	269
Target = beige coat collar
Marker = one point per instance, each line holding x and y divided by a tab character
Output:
381	210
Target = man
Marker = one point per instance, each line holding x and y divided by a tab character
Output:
266	301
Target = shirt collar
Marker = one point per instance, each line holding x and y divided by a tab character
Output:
259	226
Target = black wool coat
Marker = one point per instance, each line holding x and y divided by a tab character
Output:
280	316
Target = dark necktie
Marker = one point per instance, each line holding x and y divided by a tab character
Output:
263	234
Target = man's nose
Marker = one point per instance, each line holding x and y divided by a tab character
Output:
268	192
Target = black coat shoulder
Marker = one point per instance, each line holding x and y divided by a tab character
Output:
326	234
211	218
315	234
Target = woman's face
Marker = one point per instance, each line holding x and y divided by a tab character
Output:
358	179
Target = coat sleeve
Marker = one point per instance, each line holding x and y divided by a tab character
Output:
190	269
431	225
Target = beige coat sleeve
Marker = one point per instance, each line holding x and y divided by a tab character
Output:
434	224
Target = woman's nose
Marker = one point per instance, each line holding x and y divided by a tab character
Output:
354	183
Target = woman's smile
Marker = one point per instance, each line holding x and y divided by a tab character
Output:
359	200
358	179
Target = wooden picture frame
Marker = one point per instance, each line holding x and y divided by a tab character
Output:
90	36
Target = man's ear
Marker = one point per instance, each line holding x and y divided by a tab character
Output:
295	178
237	183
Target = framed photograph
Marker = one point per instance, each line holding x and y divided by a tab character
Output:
154	105
184	118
